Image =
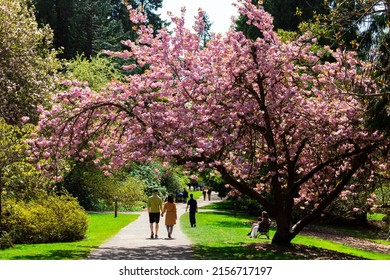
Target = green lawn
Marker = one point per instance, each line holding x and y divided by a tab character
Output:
101	228
376	216
220	235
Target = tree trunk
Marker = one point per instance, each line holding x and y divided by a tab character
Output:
283	235
116	209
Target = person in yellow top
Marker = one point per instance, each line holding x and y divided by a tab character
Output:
171	216
154	209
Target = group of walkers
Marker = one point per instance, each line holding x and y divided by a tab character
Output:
156	208
206	192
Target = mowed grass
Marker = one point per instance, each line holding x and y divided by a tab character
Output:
376	216
101	228
220	235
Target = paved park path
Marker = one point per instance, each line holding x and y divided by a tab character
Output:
133	242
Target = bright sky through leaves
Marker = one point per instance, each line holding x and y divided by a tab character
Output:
219	11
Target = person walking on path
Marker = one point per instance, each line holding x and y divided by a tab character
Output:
171	215
193	205
130	243
209	193
154	210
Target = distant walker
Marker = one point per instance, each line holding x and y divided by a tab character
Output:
193	205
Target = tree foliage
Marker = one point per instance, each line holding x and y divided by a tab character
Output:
122	188
90	26
93	189
98	71
287	15
362	26
28	64
19	178
276	121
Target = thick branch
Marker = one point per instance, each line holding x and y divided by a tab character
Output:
245	189
357	162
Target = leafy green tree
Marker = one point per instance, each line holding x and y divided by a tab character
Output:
91	187
149	173
213	180
97	70
19	179
28	65
173	179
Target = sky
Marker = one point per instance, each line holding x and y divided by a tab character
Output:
219	12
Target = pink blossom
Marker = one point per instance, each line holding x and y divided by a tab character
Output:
259	110
25	119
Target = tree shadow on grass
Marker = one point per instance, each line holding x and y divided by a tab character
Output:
237	252
268	251
64	254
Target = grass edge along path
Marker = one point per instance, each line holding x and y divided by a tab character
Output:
220	235
101	228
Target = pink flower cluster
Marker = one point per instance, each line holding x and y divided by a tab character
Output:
268	113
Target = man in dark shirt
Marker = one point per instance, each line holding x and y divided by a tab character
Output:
193	205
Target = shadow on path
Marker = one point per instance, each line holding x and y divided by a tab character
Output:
161	252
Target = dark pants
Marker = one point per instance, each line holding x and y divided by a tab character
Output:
192	218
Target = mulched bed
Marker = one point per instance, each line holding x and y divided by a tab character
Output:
303	252
335	236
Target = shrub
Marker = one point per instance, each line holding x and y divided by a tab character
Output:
45	220
248	205
5	241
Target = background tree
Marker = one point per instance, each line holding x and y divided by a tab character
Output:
369	21
96	191
204	31
287	14
276	121
97	71
28	64
90	26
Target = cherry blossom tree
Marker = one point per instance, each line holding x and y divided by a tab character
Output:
274	119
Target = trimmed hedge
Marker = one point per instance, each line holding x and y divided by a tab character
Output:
47	220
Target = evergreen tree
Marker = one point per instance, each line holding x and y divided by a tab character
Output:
206	33
288	14
89	26
364	27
